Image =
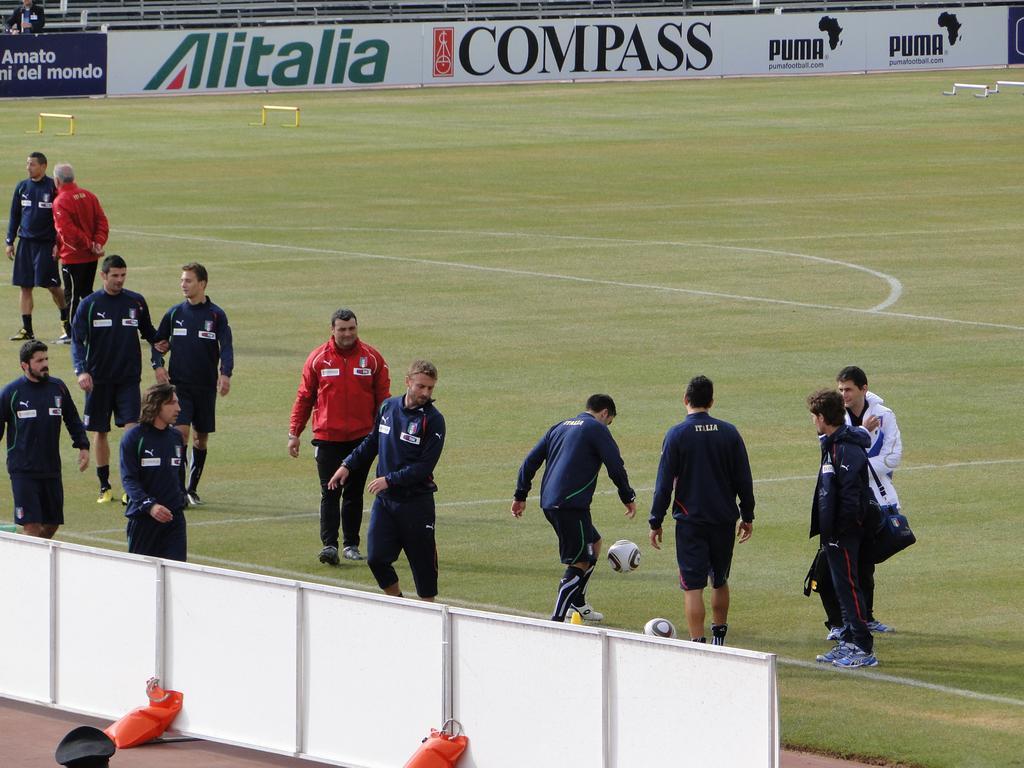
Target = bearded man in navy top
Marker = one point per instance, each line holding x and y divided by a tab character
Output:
32	408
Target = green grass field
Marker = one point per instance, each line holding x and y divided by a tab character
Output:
543	243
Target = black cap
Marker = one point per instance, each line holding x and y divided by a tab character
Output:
85	747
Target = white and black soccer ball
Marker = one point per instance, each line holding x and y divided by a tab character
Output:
624	556
660	628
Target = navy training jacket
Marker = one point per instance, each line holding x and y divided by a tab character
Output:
574	451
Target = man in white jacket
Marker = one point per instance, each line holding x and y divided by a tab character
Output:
865	409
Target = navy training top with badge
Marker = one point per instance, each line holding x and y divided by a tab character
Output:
200	337
407	443
32	211
574	450
31	413
104	335
704	468
150	459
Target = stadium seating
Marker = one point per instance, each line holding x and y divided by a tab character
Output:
99	15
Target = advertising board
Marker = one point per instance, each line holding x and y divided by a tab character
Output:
261	58
53	65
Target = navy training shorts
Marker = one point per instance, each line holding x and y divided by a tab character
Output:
576	534
118	398
34	265
703	551
38	500
198	407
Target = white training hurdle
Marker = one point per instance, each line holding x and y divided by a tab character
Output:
970	86
1008	84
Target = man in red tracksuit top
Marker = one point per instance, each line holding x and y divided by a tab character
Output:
82	231
343	383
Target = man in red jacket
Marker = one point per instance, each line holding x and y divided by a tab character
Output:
82	231
343	383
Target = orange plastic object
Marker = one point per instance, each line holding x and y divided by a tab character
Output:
146	723
440	749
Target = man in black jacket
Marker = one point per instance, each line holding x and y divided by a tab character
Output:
842	502
28	18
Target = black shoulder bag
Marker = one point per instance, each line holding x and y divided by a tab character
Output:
893	534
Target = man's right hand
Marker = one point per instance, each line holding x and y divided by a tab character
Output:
85	382
160	513
338	478
293	447
9	250
656	538
161	375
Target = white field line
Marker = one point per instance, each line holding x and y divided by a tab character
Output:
907	681
858	235
895	287
506	500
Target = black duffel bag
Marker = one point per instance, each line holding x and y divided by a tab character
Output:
893	533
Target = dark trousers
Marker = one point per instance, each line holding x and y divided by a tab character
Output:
403	524
843	557
827	592
148	537
342	507
78	280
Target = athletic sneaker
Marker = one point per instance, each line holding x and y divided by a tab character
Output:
329	555
192	498
62	339
838	650
854	658
586	612
352	553
106	496
878	627
836	634
22	335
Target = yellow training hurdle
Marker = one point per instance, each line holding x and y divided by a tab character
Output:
42	123
266	107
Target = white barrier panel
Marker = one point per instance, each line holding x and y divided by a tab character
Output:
232	650
527	693
359	679
369	661
713	700
25	640
106	630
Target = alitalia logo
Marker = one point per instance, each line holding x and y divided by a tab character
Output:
239	60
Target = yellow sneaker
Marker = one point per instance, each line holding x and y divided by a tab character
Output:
106	496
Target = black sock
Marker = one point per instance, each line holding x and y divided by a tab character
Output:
26	323
64	314
181	473
580	598
718	633
567	588
198	462
103	473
